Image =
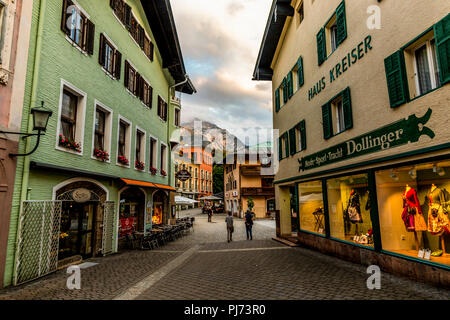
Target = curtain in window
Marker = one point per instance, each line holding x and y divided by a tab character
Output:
423	70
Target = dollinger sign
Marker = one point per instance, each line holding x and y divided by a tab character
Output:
387	137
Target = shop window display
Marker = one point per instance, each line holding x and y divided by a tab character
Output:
311	207
414	206
349	205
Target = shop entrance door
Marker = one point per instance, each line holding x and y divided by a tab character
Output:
77	230
294	209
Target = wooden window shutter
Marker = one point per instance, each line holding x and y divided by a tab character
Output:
347	105
141	36
65	16
127	16
117	64
341	24
321	47
396	79
152	50
101	50
292	141
442	36
90	37
126	74
301	78
285	90
277	99
137	85
302	129
150	96
286	145
290	81
280	148
327	121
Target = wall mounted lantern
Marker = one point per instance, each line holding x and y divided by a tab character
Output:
40	120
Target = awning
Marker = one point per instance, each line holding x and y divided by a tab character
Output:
183	200
146	184
162	186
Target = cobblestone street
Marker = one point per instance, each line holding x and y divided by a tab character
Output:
203	265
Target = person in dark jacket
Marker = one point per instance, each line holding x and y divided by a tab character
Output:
249	224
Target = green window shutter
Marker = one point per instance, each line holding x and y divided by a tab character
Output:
302	128
396	79
286	145
280	148
285	90
442	36
327	121
341	23
290	81
347	105
277	100
321	46
292	141
301	78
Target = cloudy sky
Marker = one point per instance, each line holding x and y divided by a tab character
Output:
220	40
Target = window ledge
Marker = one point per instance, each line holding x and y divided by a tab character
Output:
123	166
108	74
75	45
424	94
70	151
96	159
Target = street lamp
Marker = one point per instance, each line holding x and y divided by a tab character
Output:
40	120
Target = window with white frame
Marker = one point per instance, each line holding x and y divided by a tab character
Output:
177	117
71	119
163	159
102	133
139	162
2	13
109	57
426	68
153	153
338	115
123	142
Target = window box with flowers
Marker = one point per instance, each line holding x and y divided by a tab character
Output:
101	155
163	173
139	165
69	144
123	161
153	171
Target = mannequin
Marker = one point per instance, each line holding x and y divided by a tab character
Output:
354	210
438	222
412	213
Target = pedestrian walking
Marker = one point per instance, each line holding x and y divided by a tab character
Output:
209	211
230	227
249	217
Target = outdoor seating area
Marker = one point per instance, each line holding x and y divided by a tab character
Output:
160	235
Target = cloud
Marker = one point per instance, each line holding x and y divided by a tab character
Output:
220	42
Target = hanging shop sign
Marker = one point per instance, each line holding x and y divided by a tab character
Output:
342	66
388	137
81	195
183	175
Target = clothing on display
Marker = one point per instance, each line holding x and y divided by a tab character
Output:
438	221
412	212
354	208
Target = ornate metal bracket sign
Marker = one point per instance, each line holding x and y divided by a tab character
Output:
183	175
393	135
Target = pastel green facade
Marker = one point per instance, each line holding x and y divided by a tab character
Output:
60	61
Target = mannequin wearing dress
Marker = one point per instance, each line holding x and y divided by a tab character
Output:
438	222
412	213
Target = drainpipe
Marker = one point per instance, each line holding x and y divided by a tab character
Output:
29	125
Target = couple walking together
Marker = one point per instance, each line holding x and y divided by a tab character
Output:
249	217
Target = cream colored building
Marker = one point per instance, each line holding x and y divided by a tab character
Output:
362	103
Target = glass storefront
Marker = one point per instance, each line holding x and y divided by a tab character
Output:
312	217
349	209
413	205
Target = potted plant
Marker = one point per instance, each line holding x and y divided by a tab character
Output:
101	155
139	165
122	160
163	173
153	171
250	204
69	143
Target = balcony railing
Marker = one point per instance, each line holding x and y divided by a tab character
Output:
251	170
267	192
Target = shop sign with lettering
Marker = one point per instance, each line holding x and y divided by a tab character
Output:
388	137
